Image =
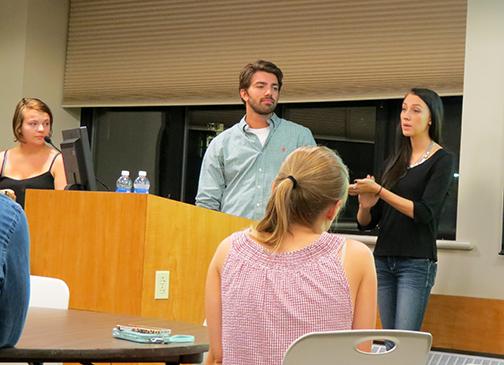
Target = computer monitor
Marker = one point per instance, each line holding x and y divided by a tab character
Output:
77	159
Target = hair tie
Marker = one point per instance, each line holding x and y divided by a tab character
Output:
294	181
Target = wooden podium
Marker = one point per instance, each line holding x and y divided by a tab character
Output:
108	246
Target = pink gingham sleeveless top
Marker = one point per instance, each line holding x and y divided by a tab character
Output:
269	300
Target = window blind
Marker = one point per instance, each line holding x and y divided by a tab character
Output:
189	52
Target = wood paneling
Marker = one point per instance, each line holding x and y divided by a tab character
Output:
465	323
182	239
93	241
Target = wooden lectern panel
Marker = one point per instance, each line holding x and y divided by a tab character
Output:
465	323
94	242
182	239
108	246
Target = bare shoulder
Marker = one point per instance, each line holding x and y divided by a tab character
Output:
358	251
58	158
221	254
358	247
57	166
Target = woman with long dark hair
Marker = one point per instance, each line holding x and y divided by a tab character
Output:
406	207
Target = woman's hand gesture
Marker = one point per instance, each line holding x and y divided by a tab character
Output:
368	191
368	200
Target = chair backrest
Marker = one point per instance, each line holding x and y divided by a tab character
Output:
48	292
205	355
340	347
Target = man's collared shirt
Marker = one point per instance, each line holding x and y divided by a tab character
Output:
237	171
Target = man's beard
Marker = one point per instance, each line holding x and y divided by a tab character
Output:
262	109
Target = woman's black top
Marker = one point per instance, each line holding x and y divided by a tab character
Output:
427	186
43	181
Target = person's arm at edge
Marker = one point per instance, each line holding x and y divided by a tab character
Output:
18	256
58	171
213	306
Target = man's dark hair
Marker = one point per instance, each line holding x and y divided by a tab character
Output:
260	65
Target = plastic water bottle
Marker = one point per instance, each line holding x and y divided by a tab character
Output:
123	184
141	184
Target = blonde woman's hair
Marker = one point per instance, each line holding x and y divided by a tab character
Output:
309	181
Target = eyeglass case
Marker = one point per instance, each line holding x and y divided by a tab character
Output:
148	335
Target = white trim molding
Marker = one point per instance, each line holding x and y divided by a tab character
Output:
441	244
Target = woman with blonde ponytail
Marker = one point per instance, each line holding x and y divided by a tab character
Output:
287	276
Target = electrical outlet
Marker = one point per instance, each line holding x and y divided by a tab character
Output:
162	286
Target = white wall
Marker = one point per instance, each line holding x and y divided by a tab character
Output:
13	18
32	62
480	272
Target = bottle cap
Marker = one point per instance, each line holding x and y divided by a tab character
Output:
125	172
142	173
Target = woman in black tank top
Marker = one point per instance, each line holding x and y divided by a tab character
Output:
31	164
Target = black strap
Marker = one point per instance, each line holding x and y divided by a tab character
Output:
52	162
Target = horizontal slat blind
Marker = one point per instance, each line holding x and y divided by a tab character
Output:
189	52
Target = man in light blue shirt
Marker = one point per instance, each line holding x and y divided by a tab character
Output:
240	163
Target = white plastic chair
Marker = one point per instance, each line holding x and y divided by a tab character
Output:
48	292
340	347
205	355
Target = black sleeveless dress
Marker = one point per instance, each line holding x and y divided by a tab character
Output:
42	181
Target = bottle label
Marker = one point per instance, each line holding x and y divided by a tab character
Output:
141	191
122	190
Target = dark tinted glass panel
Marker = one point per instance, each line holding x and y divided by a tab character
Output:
174	141
126	140
349	130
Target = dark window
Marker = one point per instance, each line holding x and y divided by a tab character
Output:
362	132
126	139
350	130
